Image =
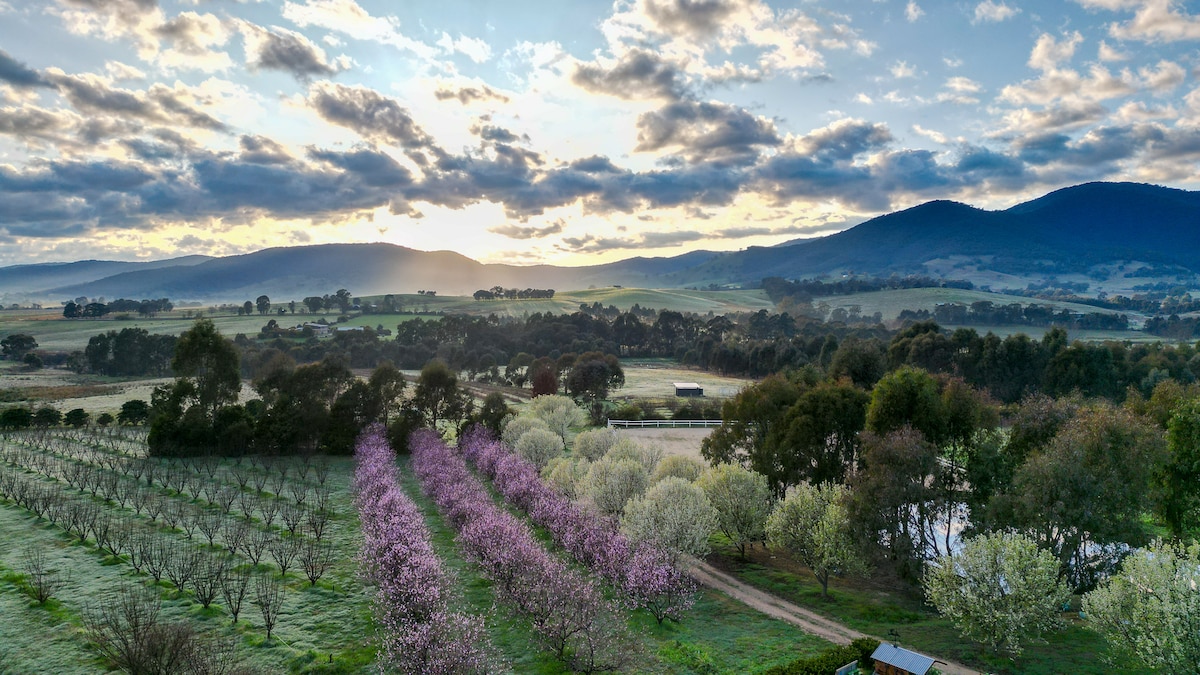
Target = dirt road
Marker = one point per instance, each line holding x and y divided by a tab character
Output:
794	614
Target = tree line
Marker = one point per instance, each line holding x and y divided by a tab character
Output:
74	309
988	313
502	293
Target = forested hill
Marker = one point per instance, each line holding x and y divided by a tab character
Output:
1067	231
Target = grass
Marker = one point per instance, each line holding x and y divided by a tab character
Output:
653	378
868	606
891	302
566	302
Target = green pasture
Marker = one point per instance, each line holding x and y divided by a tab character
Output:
890	303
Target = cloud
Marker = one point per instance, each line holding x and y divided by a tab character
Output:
913	11
1048	53
989	11
262	150
287	51
348	18
468	95
121	72
194	38
525	233
639	74
1108	53
1154	21
368	113
960	90
18	74
475	49
159	103
705	131
902	69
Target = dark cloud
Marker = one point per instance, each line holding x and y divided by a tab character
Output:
369	114
595	164
287	51
32	122
262	150
639	74
190	33
706	131
592	244
18	74
489	132
88	93
374	168
466	95
518	232
690	17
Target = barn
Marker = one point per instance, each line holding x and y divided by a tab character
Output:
688	389
893	660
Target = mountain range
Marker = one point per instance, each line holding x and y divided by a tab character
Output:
1070	231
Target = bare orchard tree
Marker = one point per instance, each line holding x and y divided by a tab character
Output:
255	543
268	508
232	535
268	596
129	632
235	585
43	581
209	523
208	578
182	563
226	497
284	551
316	557
292	515
318	520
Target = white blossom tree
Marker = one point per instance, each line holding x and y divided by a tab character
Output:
813	525
675	513
539	446
741	499
611	484
1150	610
1000	589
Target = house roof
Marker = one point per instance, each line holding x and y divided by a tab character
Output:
686	385
902	658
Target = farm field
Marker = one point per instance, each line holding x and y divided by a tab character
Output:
891	302
566	302
214	510
653	378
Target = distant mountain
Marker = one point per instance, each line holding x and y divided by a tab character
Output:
1069	230
29	279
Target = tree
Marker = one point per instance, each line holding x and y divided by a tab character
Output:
76	417
594	443
247	308
908	396
741	501
1179	502
821	431
593	375
16	418
133	412
105	419
494	413
16	346
388	384
437	395
1000	588
812	524
748	434
559	413
517	427
611	484
46	417
314	303
674	513
263	303
1089	489
1148	611
539	446
209	362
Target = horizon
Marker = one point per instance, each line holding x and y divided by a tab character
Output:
569	135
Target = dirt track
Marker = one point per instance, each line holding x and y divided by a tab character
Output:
794	614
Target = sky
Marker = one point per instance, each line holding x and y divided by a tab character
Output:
567	132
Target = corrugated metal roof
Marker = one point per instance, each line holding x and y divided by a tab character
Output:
902	658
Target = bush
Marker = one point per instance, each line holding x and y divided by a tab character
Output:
594	443
830	660
517	427
678	466
539	446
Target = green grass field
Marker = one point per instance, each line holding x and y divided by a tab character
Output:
565	302
891	302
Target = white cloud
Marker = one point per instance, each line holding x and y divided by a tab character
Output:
993	12
935	136
1154	21
952	62
913	11
903	69
122	71
960	90
864	99
348	18
1048	53
473	48
1108	53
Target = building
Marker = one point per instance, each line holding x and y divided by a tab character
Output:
688	389
893	660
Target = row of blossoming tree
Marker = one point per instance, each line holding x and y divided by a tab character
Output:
420	632
648	573
569	613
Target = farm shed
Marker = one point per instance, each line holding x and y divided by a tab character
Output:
688	389
893	660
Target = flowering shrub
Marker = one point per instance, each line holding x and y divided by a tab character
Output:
647	574
420	633
568	613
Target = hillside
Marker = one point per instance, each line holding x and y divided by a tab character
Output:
1088	231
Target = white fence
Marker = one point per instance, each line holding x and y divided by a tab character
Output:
672	424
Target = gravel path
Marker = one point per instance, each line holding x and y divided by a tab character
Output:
794	614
